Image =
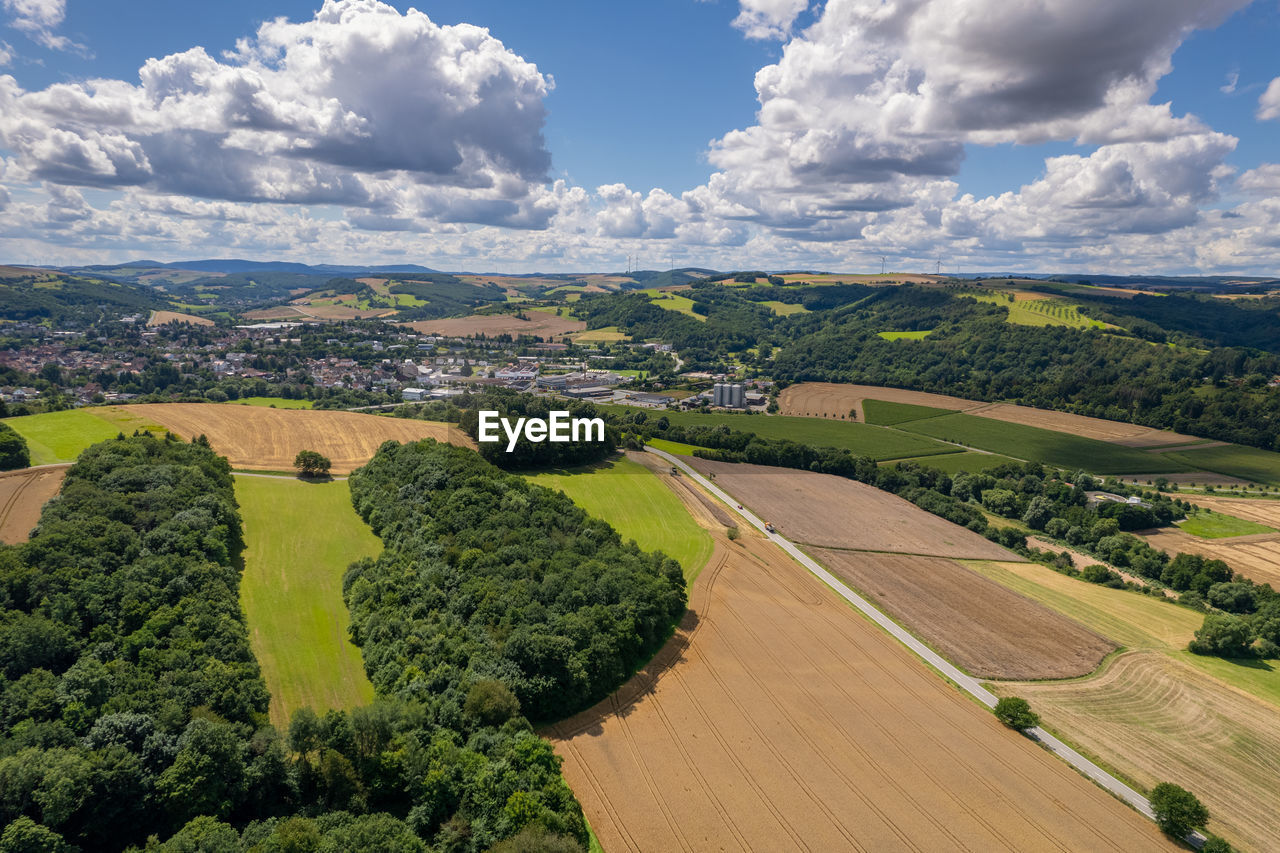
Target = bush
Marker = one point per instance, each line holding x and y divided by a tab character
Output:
13	449
1214	844
733	533
491	703
1224	636
1016	713
1177	809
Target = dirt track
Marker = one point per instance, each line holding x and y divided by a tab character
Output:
22	495
984	628
265	439
835	512
778	719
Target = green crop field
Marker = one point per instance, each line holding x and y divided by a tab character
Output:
1219	525
1041	312
300	538
905	336
61	436
862	439
1043	445
273	402
883	413
607	334
632	498
673	447
954	463
672	302
1247	463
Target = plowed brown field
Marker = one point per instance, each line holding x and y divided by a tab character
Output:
834	400
1256	557
22	495
1156	720
834	512
266	439
540	325
982	627
779	719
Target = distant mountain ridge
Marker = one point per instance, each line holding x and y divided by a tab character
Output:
239	265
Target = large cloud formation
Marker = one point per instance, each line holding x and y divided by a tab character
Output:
359	106
381	135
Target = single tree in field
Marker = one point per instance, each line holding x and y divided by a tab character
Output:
1016	713
1177	809
311	464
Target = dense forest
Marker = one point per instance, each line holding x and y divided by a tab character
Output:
132	708
527	454
485	576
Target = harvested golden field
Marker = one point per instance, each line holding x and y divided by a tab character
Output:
23	494
833	512
779	719
540	325
1256	557
834	400
1156	719
160	318
266	439
286	313
982	627
1116	432
1262	511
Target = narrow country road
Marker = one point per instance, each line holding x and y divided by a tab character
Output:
966	682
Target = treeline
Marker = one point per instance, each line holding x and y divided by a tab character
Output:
132	708
485	576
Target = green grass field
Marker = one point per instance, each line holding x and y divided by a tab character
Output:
61	436
632	498
1247	463
275	402
673	447
300	539
954	463
1132	619
672	302
905	336
877	442
1043	445
883	413
784	309
1218	525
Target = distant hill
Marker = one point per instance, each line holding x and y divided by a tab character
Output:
237	265
42	295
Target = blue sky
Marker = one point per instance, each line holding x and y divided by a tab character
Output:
638	128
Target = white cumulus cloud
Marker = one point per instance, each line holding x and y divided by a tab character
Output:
768	19
1269	102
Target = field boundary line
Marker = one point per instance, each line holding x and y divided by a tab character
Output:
966	682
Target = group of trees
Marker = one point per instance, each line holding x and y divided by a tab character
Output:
13	449
528	454
485	576
132	708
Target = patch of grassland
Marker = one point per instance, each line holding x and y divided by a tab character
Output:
883	413
674	447
905	336
1217	525
61	436
1247	463
673	302
631	498
300	539
784	309
954	463
607	334
862	439
1135	620
1048	446
274	402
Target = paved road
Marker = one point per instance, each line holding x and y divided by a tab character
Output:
966	682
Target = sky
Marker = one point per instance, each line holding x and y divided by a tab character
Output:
483	135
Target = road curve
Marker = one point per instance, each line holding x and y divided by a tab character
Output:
966	682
